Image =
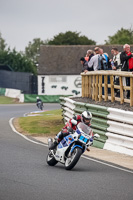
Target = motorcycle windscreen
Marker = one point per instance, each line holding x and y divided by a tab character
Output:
86	129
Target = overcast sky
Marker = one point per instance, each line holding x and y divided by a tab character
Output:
23	20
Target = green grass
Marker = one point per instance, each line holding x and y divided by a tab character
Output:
50	123
7	100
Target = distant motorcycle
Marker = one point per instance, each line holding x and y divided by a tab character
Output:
40	105
71	147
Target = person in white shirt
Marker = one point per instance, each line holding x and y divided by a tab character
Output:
115	63
93	62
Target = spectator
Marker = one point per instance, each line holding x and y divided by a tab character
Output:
115	64
112	52
89	54
103	65
103	60
93	62
84	64
126	58
116	59
87	57
108	61
96	50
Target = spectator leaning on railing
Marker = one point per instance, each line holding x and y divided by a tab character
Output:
115	64
102	60
90	54
84	63
93	62
126	58
116	60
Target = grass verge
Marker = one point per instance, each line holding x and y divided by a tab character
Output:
48	123
7	100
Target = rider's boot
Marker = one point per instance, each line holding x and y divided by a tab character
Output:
58	138
53	145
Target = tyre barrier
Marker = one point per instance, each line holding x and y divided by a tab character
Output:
114	126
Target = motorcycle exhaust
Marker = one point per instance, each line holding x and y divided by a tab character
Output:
50	142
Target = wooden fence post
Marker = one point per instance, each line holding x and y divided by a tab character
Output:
86	86
100	87
106	87
83	86
93	87
121	90
90	87
112	88
96	89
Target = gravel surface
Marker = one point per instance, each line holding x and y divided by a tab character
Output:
116	104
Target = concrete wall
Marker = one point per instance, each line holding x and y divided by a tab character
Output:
59	85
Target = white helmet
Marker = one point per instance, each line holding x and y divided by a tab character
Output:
86	117
37	97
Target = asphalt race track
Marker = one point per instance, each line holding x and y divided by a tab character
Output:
25	175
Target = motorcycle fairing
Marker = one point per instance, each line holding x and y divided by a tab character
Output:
65	142
75	147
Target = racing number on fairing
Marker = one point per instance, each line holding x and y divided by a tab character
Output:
84	139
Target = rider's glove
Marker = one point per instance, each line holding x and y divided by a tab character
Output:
70	130
91	141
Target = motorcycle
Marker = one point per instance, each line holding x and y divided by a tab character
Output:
40	105
71	147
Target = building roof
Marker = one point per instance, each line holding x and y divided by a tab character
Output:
65	60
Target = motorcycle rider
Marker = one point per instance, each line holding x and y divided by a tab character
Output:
38	100
85	117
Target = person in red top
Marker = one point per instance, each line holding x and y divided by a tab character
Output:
85	117
126	58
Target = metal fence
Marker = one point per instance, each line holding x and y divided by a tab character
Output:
26	82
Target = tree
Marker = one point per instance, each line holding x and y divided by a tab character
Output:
31	51
17	61
2	43
71	38
122	36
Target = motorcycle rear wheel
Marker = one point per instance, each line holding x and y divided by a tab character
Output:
41	107
50	159
72	160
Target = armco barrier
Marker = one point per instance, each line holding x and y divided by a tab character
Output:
99	120
120	135
118	143
120	115
67	107
99	116
114	126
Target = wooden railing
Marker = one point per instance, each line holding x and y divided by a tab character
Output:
93	83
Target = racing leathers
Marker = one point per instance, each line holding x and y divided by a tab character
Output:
68	129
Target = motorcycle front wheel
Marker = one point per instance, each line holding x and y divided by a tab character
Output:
72	159
50	159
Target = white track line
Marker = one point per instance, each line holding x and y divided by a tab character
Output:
103	163
11	124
